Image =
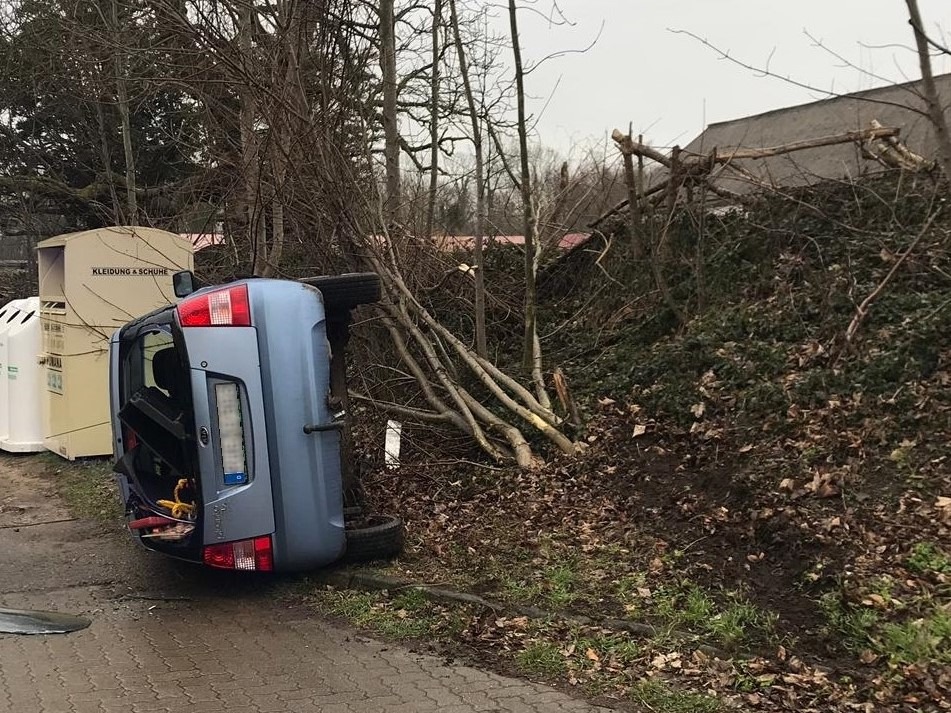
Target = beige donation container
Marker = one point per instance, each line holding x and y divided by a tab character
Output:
91	283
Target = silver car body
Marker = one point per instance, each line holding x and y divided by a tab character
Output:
292	488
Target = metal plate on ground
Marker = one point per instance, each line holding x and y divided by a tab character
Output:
23	621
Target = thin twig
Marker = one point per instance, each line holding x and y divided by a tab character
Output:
862	312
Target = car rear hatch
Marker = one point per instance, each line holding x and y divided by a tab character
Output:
187	387
229	422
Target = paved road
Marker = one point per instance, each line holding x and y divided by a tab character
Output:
166	637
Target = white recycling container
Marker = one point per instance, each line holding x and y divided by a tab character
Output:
8	315
23	372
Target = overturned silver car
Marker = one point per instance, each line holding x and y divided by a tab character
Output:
227	435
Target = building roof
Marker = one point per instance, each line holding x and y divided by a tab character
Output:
200	241
896	106
467	242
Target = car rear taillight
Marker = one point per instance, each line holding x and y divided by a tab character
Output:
253	555
227	307
231	434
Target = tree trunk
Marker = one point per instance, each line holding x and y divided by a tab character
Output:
122	96
107	162
250	160
434	123
481	346
633	200
529	355
391	133
654	248
935	111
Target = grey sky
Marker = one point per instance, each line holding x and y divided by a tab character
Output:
670	86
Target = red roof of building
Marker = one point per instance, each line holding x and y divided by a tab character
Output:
203	240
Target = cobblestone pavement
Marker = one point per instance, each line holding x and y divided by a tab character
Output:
167	638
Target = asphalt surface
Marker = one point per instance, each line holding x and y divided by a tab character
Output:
166	636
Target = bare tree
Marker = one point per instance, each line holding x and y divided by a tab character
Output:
481	347
936	113
531	346
434	121
122	93
387	34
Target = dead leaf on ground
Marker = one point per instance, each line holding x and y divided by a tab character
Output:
639	430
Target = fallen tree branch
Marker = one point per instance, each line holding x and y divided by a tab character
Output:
490	376
697	167
520	448
869	134
409	411
862	312
891	152
658	188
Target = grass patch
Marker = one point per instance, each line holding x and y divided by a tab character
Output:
561	581
730	621
88	487
923	640
853	626
925	557
556	586
409	615
355	606
659	696
922	636
617	649
520	590
542	658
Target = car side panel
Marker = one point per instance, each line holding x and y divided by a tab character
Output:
305	468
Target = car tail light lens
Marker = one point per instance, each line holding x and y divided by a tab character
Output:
254	555
227	307
131	440
231	434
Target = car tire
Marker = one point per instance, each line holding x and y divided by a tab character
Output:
347	291
382	539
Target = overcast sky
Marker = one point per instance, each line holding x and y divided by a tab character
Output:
669	85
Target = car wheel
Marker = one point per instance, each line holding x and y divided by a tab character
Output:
374	538
347	291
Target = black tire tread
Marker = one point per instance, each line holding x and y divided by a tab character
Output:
347	291
383	541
